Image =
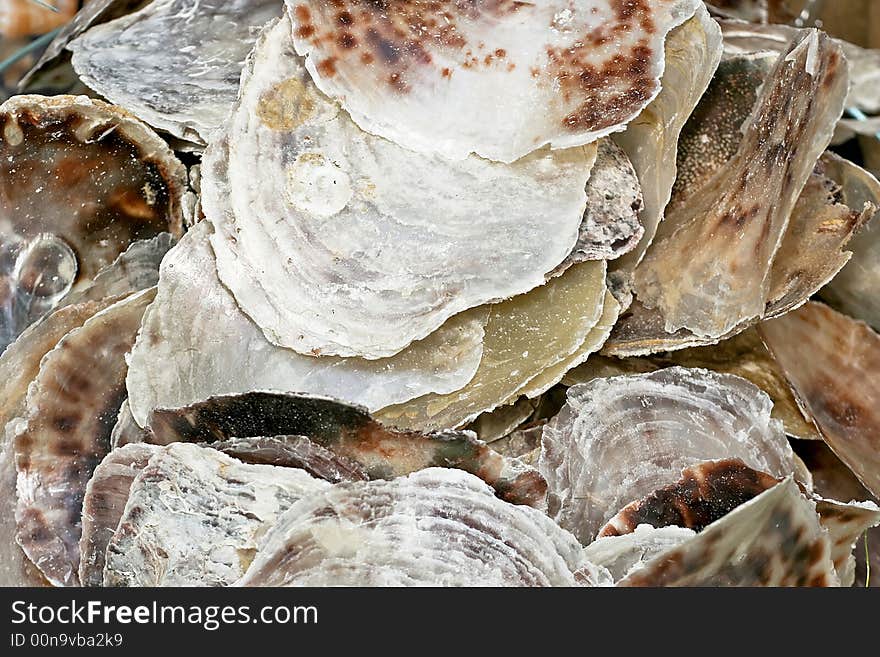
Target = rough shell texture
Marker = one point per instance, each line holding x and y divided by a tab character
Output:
186	89
81	181
196	327
104	502
366	234
744	355
350	432
433	76
774	540
837	383
709	269
19	365
71	408
436	527
625	554
705	493
195	517
610	227
617	440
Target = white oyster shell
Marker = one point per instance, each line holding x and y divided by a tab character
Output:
499	79
437	527
197	343
371	246
619	439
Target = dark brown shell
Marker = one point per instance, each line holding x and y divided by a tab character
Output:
349	432
705	493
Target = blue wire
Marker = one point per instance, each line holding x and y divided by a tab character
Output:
36	44
859	115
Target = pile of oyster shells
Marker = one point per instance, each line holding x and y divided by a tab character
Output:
485	293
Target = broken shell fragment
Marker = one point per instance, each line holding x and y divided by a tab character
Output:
620	439
625	554
773	540
195	517
836	384
187	89
366	234
81	181
705	493
103	505
437	527
349	432
195	326
723	241
71	408
559	73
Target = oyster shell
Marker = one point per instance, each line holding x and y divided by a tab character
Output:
71	408
126	430
60	222
773	540
705	493
835	481
103	505
744	355
93	12
559	73
295	452
626	554
714	131
531	341
195	517
651	141
853	290
195	327
136	268
19	365
845	524
175	63
363	233
620	439
836	384
610	227
723	242
436	527
349	432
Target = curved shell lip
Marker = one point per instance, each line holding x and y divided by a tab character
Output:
153	148
570	127
385	296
